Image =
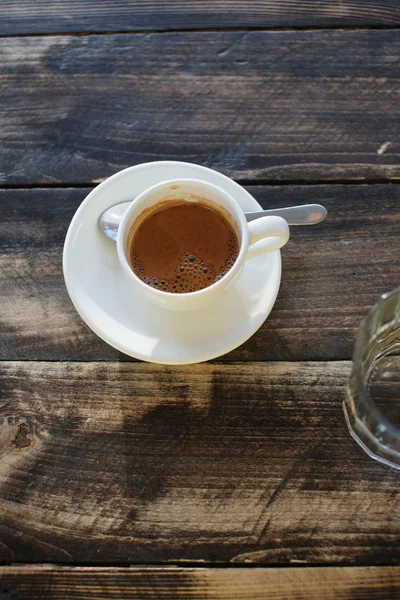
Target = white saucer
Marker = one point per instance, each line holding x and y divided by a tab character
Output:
96	284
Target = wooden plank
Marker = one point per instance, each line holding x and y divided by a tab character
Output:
332	274
332	583
289	105
245	463
48	16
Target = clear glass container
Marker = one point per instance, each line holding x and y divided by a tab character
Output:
372	403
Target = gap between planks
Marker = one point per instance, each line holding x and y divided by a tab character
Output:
243	182
200	30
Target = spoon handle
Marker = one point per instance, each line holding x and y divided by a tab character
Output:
307	214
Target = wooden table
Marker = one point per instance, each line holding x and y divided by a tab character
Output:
231	479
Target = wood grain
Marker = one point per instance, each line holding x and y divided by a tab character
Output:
289	105
49	16
332	274
332	583
243	463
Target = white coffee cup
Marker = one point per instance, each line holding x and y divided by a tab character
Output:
257	237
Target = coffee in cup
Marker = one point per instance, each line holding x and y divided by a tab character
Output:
182	247
196	226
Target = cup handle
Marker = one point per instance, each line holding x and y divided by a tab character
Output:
266	235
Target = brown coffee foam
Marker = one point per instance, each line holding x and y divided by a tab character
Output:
187	249
170	200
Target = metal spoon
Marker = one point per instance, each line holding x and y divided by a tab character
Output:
307	214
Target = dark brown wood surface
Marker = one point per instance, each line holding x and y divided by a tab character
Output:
288	105
53	16
332	274
47	583
136	463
